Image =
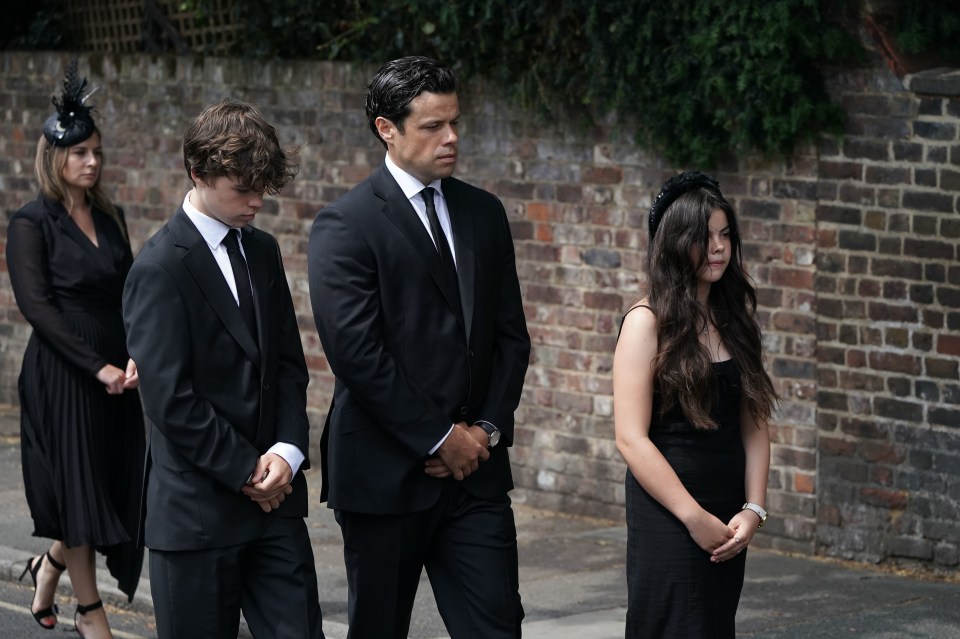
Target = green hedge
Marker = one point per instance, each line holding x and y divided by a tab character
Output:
930	26
700	80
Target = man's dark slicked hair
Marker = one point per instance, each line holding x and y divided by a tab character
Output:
398	82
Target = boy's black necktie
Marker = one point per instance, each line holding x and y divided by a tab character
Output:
242	278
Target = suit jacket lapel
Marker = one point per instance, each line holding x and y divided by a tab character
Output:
199	261
399	210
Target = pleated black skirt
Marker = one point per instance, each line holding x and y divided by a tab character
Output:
83	450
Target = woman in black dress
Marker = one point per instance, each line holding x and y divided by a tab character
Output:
691	403
82	434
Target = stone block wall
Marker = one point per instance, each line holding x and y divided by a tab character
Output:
852	244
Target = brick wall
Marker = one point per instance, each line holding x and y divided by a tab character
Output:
853	245
888	326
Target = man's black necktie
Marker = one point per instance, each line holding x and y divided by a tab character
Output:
242	278
443	248
439	237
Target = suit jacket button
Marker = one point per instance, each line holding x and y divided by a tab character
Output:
463	410
266	387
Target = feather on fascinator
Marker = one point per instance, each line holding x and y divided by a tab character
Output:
72	123
674	188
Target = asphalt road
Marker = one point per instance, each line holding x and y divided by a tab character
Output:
17	622
571	581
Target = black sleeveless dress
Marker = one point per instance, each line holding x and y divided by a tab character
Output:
673	589
82	449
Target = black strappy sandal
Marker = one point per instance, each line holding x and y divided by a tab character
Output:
82	610
33	567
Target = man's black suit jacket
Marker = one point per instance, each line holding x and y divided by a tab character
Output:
408	360
215	397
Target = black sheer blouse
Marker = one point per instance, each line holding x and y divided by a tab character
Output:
56	271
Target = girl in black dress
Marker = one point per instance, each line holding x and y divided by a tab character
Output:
691	404
82	434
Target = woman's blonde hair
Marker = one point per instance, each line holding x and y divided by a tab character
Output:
48	167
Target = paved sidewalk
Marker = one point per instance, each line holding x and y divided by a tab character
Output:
572	579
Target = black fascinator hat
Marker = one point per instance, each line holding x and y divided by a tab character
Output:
674	188
72	123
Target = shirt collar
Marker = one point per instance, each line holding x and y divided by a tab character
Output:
408	184
211	229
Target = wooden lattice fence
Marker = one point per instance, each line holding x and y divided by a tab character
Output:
174	26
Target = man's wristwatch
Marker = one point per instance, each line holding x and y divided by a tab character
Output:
493	433
761	513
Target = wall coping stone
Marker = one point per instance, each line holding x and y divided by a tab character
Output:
939	81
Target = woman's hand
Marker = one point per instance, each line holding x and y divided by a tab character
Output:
744	525
132	378
113	378
709	532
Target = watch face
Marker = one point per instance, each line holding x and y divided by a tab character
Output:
494	438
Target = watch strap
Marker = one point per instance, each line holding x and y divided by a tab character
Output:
758	510
490	430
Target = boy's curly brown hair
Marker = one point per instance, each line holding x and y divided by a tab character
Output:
232	138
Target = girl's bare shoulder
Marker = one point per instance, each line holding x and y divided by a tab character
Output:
639	320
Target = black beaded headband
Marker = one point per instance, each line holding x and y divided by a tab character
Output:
674	188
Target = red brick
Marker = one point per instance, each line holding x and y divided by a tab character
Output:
792	278
804	483
868	288
578	319
882	475
929	249
863	428
539	211
941	368
829	515
856	358
569	193
873	451
521	230
543	233
795	323
948	345
826	238
841	170
804	459
895	363
837	447
890	499
518	190
603	301
602	175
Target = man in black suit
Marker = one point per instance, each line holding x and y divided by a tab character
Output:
415	294
211	326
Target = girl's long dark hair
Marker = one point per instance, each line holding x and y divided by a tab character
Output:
682	367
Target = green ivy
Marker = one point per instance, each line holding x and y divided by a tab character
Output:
930	25
33	25
700	80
